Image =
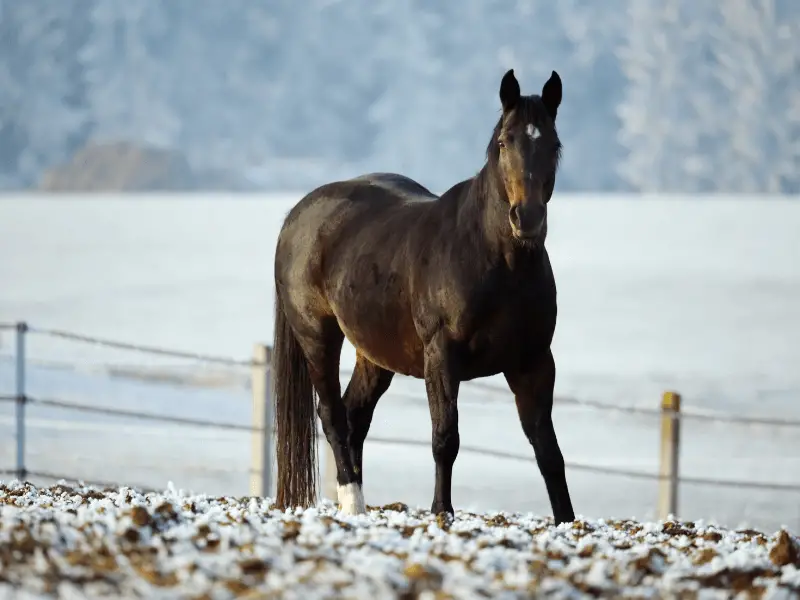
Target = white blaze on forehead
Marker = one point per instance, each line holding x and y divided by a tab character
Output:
533	132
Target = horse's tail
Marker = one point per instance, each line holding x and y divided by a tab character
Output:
295	417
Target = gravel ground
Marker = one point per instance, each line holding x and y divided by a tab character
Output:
75	542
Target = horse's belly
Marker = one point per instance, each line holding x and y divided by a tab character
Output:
384	335
392	346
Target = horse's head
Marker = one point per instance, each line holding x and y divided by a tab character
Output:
524	153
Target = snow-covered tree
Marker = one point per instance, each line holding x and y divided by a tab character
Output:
416	122
755	45
126	77
331	71
665	112
593	81
670	95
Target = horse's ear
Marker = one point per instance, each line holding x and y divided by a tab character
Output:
509	91
551	94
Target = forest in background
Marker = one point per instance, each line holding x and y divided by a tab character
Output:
681	96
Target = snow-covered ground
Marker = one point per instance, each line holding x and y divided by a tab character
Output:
694	295
83	541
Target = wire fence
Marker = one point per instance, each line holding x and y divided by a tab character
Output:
482	451
494	389
22	399
76	337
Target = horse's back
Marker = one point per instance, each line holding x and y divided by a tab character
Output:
375	189
361	204
400	186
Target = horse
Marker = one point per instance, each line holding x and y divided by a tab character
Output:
445	289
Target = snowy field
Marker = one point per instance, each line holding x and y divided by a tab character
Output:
87	542
654	294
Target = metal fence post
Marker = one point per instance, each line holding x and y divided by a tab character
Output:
670	453
21	471
261	437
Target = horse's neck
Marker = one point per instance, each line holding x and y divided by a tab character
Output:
483	220
482	212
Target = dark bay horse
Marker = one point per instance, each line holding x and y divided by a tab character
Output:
446	289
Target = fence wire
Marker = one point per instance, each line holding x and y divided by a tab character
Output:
741	420
487	452
563	400
222	360
78	337
139	415
618	471
680	415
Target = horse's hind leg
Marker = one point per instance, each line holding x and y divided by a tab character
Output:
533	392
323	350
368	383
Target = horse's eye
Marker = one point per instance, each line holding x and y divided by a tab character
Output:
501	144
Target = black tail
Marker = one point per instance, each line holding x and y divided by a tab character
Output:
295	417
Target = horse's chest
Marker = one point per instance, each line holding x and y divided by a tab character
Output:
501	329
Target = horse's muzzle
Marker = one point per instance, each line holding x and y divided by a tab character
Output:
527	222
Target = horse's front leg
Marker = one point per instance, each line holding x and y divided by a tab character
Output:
533	391
442	386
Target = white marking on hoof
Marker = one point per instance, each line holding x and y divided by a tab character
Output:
352	499
533	132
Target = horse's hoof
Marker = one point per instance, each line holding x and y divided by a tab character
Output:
351	499
563	514
438	508
444	520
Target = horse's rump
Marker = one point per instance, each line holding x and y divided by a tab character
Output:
350	250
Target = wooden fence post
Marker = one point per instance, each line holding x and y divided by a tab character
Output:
670	453
21	400
330	487
263	411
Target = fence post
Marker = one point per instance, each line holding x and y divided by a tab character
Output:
261	436
670	453
330	487
21	399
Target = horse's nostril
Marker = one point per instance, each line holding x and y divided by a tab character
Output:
514	215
